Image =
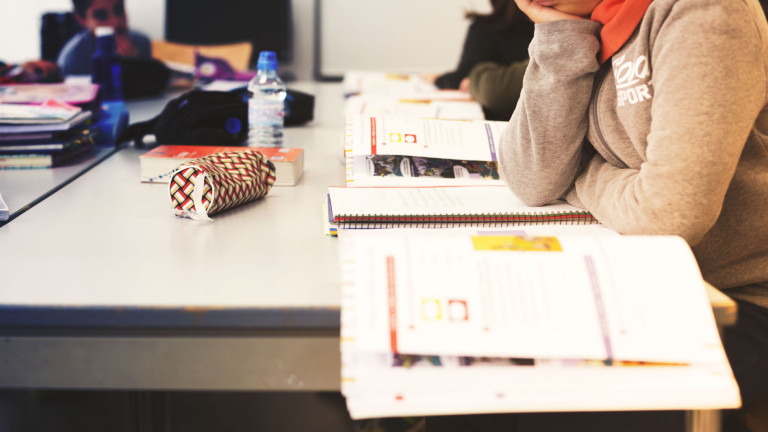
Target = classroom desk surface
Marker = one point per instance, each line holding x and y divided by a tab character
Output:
24	188
102	287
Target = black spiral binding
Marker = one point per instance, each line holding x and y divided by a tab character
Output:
361	221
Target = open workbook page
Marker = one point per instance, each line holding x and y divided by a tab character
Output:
388	150
431	105
595	297
523	321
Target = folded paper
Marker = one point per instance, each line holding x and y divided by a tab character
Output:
209	185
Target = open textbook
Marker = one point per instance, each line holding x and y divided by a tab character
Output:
371	82
435	105
465	321
388	150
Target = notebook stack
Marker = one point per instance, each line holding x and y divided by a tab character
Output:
4	213
43	136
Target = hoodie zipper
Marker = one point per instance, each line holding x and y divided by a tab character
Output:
602	145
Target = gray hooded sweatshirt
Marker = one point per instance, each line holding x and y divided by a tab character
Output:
669	136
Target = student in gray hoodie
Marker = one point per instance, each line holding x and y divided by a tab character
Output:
653	115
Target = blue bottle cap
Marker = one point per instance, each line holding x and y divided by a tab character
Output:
267	61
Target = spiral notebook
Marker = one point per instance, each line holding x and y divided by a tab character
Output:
441	207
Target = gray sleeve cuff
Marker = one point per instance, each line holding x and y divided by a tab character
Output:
572	26
566	44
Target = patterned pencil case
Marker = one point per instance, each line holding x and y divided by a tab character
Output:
209	185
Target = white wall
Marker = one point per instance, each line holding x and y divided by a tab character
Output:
20	22
147	16
20	30
20	27
403	36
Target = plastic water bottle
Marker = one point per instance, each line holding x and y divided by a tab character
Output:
266	107
107	70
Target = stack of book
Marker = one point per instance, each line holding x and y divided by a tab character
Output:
43	136
83	95
4	213
438	322
372	82
406	95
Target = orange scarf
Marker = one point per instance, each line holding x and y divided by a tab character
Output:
619	19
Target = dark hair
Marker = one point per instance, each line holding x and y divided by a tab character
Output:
504	16
81	7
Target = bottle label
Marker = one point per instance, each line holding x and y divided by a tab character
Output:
265	112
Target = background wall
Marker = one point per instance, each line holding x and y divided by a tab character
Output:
20	23
20	29
402	36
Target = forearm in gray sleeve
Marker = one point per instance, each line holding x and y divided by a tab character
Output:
540	149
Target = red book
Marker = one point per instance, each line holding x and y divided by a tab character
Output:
158	164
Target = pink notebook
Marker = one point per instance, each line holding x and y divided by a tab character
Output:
73	94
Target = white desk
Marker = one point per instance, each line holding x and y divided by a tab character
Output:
102	287
22	189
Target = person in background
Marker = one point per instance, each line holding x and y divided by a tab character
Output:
501	38
631	111
75	57
496	87
34	71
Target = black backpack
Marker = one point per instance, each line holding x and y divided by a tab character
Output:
219	118
196	118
